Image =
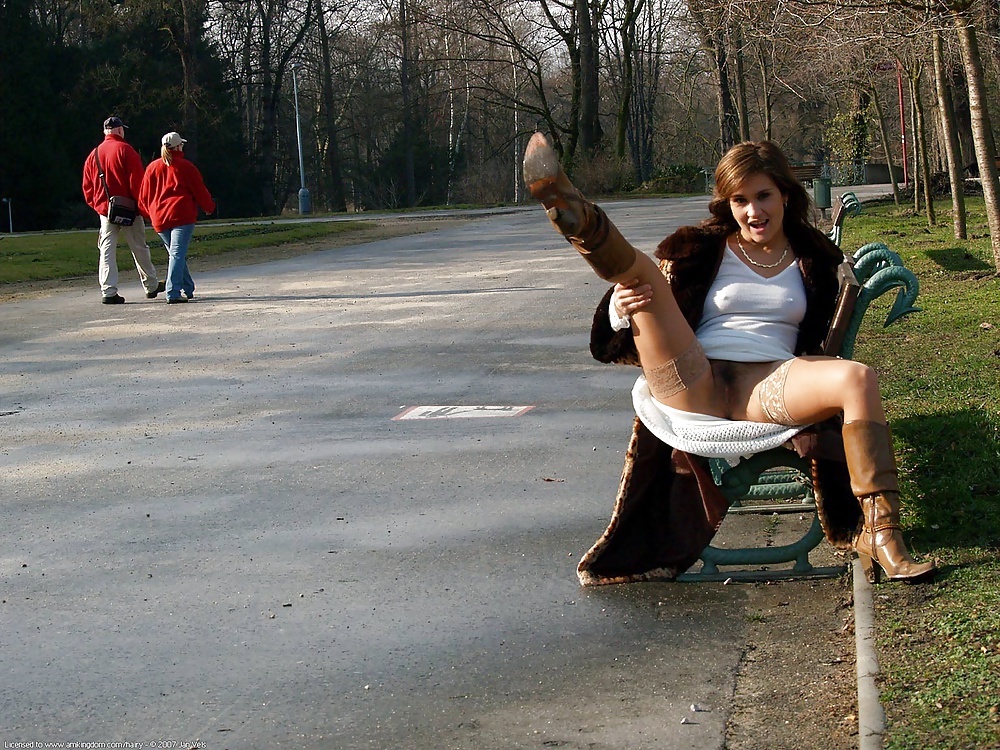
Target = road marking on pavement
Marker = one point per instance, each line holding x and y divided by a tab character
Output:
461	412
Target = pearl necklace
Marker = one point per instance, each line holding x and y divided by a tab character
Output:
753	262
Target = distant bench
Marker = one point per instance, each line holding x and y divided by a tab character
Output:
807	172
973	169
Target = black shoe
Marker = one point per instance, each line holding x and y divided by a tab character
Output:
161	287
178	299
114	299
189	295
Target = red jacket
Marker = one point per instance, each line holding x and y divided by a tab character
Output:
122	170
172	193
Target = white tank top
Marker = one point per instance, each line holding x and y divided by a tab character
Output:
748	318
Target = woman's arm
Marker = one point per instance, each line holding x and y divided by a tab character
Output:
198	190
606	344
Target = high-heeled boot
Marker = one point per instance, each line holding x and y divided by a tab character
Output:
872	466
582	223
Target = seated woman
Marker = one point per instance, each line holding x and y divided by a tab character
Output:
727	336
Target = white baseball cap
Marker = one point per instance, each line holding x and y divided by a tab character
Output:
173	140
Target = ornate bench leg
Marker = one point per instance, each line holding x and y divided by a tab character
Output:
742	481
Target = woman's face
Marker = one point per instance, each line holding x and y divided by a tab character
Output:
759	208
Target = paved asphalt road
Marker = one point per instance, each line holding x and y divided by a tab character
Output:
216	533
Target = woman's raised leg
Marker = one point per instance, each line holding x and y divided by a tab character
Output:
672	360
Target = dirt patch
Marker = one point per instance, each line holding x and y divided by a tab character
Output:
796	684
796	688
381	230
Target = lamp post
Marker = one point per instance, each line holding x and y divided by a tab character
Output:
305	204
10	216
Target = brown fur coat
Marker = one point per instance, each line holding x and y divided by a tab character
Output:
668	508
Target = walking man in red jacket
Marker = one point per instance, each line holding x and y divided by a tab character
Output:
122	176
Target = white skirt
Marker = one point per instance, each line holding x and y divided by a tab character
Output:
703	435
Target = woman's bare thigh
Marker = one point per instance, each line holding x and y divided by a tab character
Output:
815	389
820	387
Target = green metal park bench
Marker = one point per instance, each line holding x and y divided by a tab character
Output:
779	480
848	205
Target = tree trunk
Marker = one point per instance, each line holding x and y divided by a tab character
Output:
268	131
193	22
885	144
859	136
404	82
915	155
742	110
982	129
456	132
590	126
948	130
272	61
713	40
627	33
564	146
728	121
515	136
765	88
336	199
644	102
923	162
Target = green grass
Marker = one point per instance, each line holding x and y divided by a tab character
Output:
64	255
939	644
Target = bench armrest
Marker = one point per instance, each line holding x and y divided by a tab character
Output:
847	297
878	270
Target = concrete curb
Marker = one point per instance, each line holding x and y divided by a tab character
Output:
871	717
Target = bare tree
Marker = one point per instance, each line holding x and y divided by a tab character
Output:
880	115
950	137
337	201
272	35
404	87
982	128
711	25
636	38
963	16
577	26
627	29
191	28
921	164
587	20
458	122
742	111
452	86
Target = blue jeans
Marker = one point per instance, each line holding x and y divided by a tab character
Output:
178	278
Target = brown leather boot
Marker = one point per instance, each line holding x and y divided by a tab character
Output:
582	223
872	466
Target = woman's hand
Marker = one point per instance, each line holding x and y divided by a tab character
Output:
628	298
